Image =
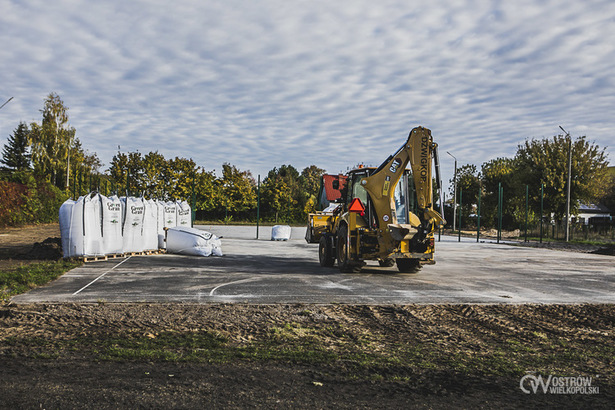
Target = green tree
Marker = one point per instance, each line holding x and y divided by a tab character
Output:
494	173
309	183
208	192
309	180
126	173
15	155
238	190
468	184
546	161
153	175
283	198
181	176
608	199
52	141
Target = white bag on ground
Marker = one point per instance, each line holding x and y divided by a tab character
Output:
133	224
111	224
192	241
280	233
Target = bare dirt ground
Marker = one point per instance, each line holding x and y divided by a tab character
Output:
289	356
294	356
29	244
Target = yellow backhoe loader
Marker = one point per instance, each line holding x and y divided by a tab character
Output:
385	214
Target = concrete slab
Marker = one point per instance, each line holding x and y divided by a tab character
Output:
264	271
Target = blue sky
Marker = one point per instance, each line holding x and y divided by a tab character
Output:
259	84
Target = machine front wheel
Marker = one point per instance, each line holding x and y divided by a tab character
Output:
386	263
325	252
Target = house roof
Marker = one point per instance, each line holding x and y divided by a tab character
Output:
593	209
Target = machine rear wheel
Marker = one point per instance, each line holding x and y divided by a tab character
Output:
325	252
408	265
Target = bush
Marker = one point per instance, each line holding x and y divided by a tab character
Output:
31	201
12	199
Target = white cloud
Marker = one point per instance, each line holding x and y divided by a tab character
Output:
260	84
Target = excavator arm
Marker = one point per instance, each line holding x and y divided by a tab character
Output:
420	152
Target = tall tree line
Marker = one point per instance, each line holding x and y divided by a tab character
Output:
541	165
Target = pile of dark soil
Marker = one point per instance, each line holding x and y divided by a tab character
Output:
607	250
49	249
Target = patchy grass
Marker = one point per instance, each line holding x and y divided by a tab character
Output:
24	278
361	356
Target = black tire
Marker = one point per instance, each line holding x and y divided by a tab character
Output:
343	262
308	235
325	252
408	265
386	263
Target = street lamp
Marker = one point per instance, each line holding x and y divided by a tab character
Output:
454	192
568	185
7	101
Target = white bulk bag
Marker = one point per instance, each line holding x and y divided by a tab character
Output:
160	205
111	224
133	225
76	234
280	233
92	222
170	216
192	241
150	225
183	214
66	217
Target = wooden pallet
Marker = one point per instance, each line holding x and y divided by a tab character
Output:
94	258
98	258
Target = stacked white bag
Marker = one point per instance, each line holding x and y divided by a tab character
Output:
170	214
150	225
133	224
183	214
66	217
81	227
160	205
96	225
111	224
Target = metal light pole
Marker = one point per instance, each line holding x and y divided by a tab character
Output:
454	192
568	185
6	102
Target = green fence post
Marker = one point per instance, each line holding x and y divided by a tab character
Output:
258	205
460	205
442	202
542	205
478	218
193	205
499	215
527	204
